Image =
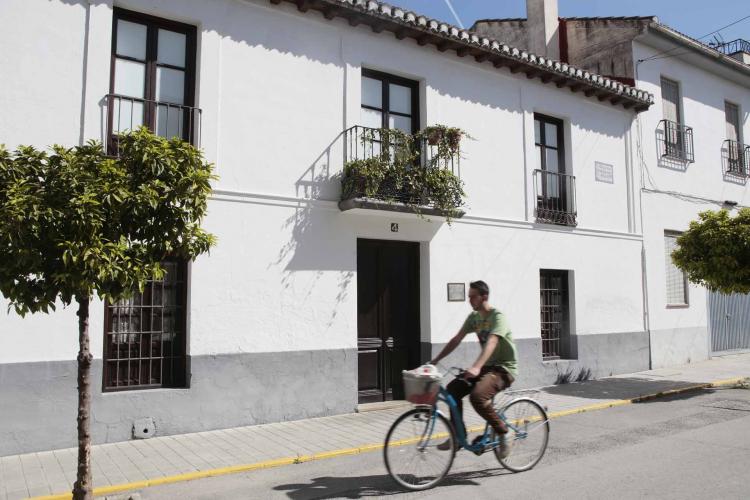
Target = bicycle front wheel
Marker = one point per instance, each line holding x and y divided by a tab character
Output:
412	453
528	427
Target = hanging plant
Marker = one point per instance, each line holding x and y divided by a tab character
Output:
415	170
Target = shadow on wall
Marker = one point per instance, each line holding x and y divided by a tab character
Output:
665	161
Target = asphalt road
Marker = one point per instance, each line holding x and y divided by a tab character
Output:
695	445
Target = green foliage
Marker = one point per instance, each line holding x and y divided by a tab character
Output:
74	222
715	251
398	173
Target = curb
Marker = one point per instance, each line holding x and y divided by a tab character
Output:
189	476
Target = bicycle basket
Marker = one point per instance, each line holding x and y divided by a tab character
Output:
421	389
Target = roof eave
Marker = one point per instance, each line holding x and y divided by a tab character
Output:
404	24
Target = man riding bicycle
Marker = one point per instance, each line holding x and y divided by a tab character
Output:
494	370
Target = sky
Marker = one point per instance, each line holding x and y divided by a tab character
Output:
695	18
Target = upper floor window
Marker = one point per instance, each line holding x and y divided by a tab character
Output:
736	152
389	101
152	79
675	139
670	98
555	188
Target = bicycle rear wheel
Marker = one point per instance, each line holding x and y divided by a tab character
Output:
528	426
411	452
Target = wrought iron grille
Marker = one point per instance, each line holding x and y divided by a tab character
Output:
555	198
362	143
553	289
163	118
145	335
675	141
735	157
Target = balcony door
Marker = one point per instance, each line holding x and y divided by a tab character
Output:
552	195
152	79
388	335
673	134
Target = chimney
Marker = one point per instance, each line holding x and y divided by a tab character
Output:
542	28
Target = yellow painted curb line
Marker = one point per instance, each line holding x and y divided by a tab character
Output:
188	476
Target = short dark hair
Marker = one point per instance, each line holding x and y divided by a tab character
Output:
480	286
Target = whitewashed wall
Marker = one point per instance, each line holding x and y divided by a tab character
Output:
680	335
277	88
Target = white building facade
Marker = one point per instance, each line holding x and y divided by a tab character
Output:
304	309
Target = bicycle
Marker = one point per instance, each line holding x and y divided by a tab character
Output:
411	452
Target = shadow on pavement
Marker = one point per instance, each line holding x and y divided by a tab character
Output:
617	388
372	486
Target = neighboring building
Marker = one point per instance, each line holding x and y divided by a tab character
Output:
690	151
308	307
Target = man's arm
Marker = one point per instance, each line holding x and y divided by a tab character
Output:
450	346
489	348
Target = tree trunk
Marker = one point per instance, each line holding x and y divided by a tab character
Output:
82	489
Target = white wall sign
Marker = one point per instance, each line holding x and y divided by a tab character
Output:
456	292
604	172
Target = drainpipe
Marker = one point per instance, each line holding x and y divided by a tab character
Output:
644	273
84	71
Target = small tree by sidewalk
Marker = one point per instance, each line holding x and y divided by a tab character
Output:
715	251
74	223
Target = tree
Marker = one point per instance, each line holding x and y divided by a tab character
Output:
715	251
74	223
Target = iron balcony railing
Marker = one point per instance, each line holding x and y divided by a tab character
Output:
735	158
555	195
734	46
675	141
166	119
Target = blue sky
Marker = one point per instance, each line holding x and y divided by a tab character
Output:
692	17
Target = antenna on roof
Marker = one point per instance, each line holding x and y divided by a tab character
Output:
453	11
717	41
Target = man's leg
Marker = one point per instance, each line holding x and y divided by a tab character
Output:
459	388
490	383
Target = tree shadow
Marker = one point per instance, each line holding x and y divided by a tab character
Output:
380	485
617	388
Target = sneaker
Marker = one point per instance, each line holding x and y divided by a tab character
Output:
506	443
445	445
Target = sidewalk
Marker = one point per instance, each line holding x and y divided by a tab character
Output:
130	465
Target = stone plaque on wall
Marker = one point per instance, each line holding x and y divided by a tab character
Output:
604	172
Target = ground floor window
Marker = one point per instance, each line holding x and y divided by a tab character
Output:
555	314
144	339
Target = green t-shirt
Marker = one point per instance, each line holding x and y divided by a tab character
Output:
505	354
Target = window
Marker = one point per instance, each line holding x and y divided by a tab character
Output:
389	102
670	98
152	79
676	279
735	149
677	139
144	340
555	314
555	190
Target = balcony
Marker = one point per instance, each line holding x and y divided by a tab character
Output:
386	169
166	119
675	141
735	158
555	195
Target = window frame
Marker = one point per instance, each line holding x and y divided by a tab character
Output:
565	347
153	24
559	123
678	105
685	284
386	79
181	379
